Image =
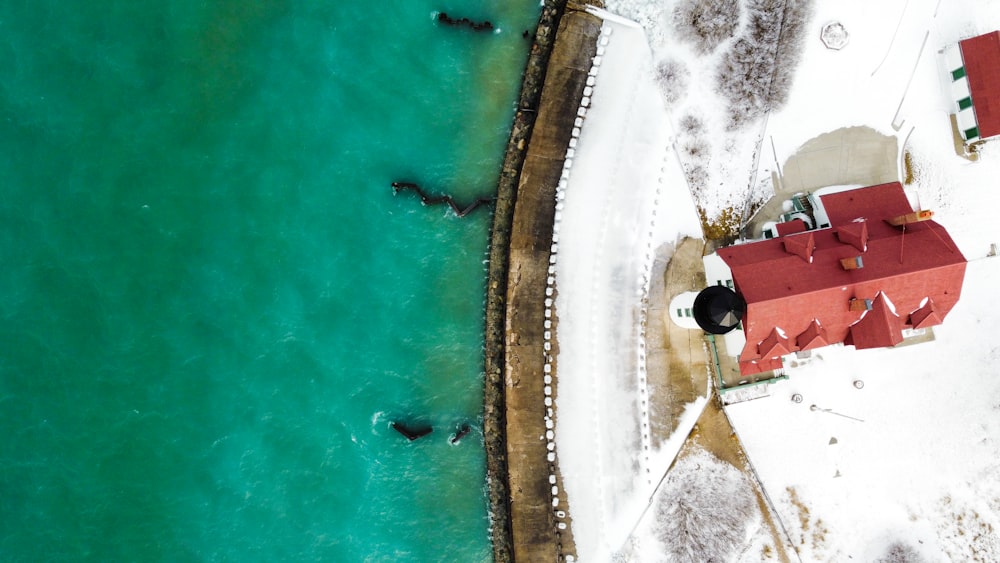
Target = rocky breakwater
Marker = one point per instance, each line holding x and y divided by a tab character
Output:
518	464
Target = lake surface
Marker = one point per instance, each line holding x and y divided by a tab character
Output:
212	305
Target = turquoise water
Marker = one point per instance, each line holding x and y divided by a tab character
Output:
211	303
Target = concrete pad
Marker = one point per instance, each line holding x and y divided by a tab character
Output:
851	155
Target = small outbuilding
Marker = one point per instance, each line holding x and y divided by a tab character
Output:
973	67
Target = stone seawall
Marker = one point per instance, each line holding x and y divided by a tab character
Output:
523	527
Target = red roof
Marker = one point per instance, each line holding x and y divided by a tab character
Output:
925	316
854	234
784	290
791	227
812	337
802	246
760	366
877	328
981	57
775	345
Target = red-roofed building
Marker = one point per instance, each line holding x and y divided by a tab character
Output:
974	73
862	281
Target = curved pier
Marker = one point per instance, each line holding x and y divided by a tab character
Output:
435	200
523	518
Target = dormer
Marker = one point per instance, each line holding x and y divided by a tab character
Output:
801	245
855	234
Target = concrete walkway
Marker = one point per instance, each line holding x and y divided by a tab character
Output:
676	362
534	531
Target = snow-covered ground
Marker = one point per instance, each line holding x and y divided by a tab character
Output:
908	462
912	457
622	196
922	470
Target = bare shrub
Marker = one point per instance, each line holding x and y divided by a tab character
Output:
900	552
704	510
755	74
724	227
796	17
690	125
696	176
706	25
744	77
695	148
672	78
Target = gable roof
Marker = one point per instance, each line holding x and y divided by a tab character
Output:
761	365
791	227
801	245
877	328
776	344
981	57
784	290
814	336
925	316
855	234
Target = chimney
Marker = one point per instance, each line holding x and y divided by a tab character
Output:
861	304
852	263
915	217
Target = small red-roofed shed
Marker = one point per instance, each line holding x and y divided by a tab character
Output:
761	365
981	58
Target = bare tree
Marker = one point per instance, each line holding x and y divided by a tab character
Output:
706	25
672	78
704	510
900	552
756	72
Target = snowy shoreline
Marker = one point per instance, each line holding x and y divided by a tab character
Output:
927	409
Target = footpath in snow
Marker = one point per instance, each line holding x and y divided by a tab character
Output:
622	196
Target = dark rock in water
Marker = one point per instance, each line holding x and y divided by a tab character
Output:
484	25
427	199
411	432
465	429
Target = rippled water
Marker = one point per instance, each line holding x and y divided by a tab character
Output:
211	303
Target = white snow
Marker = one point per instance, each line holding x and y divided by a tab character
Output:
911	458
624	196
703	509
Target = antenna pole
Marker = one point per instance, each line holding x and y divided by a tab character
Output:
901	243
946	245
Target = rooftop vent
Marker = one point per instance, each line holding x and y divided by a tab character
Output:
861	304
852	263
